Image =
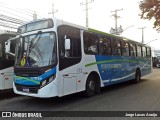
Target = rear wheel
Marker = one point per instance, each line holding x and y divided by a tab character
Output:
90	86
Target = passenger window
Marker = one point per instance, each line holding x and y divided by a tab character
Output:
116	47
144	51
125	48
132	50
148	52
90	43
139	51
105	46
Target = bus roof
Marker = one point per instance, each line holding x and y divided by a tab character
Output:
62	22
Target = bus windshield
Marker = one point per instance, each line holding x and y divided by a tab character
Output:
36	50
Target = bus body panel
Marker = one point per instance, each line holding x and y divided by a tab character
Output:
7	78
115	69
73	79
50	90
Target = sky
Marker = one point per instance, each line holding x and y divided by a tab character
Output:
100	15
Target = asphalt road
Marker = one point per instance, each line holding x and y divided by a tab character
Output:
128	96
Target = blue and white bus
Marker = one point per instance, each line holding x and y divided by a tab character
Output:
57	58
6	61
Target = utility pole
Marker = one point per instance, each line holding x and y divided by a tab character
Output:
86	9
53	11
116	17
142	28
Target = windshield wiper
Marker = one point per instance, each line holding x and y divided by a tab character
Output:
32	45
35	39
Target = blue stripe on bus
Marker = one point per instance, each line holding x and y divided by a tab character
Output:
119	68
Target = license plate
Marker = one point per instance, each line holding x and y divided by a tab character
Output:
25	89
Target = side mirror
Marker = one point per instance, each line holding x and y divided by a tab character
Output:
7	46
7	50
67	44
67	47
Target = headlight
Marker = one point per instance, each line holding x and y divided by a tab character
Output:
50	80
43	83
47	81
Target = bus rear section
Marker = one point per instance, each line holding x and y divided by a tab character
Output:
117	59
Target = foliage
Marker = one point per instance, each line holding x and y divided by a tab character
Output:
151	9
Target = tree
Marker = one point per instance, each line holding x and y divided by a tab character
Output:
151	9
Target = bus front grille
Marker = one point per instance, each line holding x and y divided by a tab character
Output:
27	89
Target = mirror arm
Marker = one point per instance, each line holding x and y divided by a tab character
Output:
12	54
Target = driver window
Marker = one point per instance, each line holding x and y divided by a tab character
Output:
69	46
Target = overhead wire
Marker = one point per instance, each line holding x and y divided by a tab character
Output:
25	11
8	25
18	11
13	20
16	15
10	20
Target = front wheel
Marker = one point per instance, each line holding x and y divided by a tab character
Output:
90	86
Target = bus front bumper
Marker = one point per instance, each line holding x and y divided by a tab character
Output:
50	90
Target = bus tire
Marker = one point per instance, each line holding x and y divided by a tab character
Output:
90	86
98	90
137	76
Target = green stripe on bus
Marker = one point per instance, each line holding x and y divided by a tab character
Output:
103	33
108	61
27	79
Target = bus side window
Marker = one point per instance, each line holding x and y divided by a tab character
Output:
116	47
90	43
132	50
139	51
105	46
148	52
125	48
71	48
144	51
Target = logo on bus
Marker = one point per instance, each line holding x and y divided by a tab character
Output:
23	61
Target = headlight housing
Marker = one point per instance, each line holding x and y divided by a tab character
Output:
47	81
